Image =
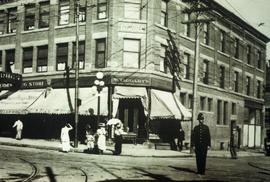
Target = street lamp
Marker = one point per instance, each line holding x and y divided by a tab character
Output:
99	83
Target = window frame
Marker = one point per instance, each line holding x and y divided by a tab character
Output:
100	52
40	67
62	13
248	85
12	18
132	52
29	17
222	76
206	33
100	5
164	13
222	41
249	54
43	6
61	45
81	54
236	81
25	60
236	48
186	66
206	72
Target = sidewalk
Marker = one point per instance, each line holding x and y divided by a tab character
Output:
127	149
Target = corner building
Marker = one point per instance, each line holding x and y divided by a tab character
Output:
129	42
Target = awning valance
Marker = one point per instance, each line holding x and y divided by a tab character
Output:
166	105
61	101
17	102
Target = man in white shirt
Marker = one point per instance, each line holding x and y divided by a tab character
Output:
19	126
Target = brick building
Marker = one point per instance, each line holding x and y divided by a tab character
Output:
129	41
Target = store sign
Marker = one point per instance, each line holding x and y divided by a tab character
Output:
132	27
8	80
131	81
34	84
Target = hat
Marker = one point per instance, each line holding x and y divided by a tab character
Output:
101	124
200	116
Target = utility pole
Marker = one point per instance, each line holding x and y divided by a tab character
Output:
198	7
77	76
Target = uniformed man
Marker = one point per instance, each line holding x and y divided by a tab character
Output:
201	140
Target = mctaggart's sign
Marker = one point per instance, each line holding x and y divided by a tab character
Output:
10	79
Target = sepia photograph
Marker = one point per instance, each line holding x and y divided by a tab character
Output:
134	90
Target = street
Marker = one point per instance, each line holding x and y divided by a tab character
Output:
28	164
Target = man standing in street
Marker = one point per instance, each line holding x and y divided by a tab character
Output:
19	126
201	140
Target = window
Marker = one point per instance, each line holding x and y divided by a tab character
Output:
236	48
187	25
44	13
186	62
248	54
162	64
236	78
206	33
233	108
131	53
259	58
222	77
219	112
222	41
205	71
202	103
210	104
132	10
82	13
29	20
81	51
225	113
2	22
10	60
248	82
63	12
28	60
183	98
42	59
12	14
164	13
258	89
1	68
190	101
102	9
100	53
62	56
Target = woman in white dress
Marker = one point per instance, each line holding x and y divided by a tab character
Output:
101	141
65	137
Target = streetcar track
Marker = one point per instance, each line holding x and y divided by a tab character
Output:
34	171
255	166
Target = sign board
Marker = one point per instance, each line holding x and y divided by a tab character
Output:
10	80
34	84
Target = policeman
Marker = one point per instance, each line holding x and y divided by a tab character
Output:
201	140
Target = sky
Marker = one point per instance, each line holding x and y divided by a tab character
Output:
254	12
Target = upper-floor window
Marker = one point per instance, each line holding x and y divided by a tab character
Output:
236	78
164	13
190	101
12	18
233	108
132	10
61	56
29	18
183	98
202	103
63	12
258	89
236	48
219	112
186	62
225	113
187	25
44	14
42	59
210	104
222	77
82	13
248	54
206	28
248	82
28	60
205	71
102	9
2	21
10	60
162	63
100	53
81	53
259	59
222	41
131	57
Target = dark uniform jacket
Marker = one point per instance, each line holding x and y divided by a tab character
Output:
201	136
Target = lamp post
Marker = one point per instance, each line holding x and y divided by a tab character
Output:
99	83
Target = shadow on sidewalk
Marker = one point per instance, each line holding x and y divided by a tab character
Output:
183	169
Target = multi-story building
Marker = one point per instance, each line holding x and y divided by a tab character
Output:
267	96
130	41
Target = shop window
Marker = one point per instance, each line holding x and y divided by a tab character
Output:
162	64
102	9
100	53
131	58
221	76
28	60
132	10
44	13
2	22
187	25
205	71
210	104
248	82
164	13
81	52
10	60
236	81
206	33
63	12
29	19
222	41
236	48
186	62
42	59
258	89
248	54
234	108
62	56
12	18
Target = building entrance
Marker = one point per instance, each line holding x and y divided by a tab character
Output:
131	113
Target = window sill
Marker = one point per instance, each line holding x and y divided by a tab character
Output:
260	70
224	54
7	34
249	65
186	37
207	46
238	60
69	25
132	20
164	28
35	30
100	21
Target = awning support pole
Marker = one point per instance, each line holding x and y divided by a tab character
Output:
148	114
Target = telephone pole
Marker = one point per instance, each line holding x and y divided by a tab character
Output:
198	7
